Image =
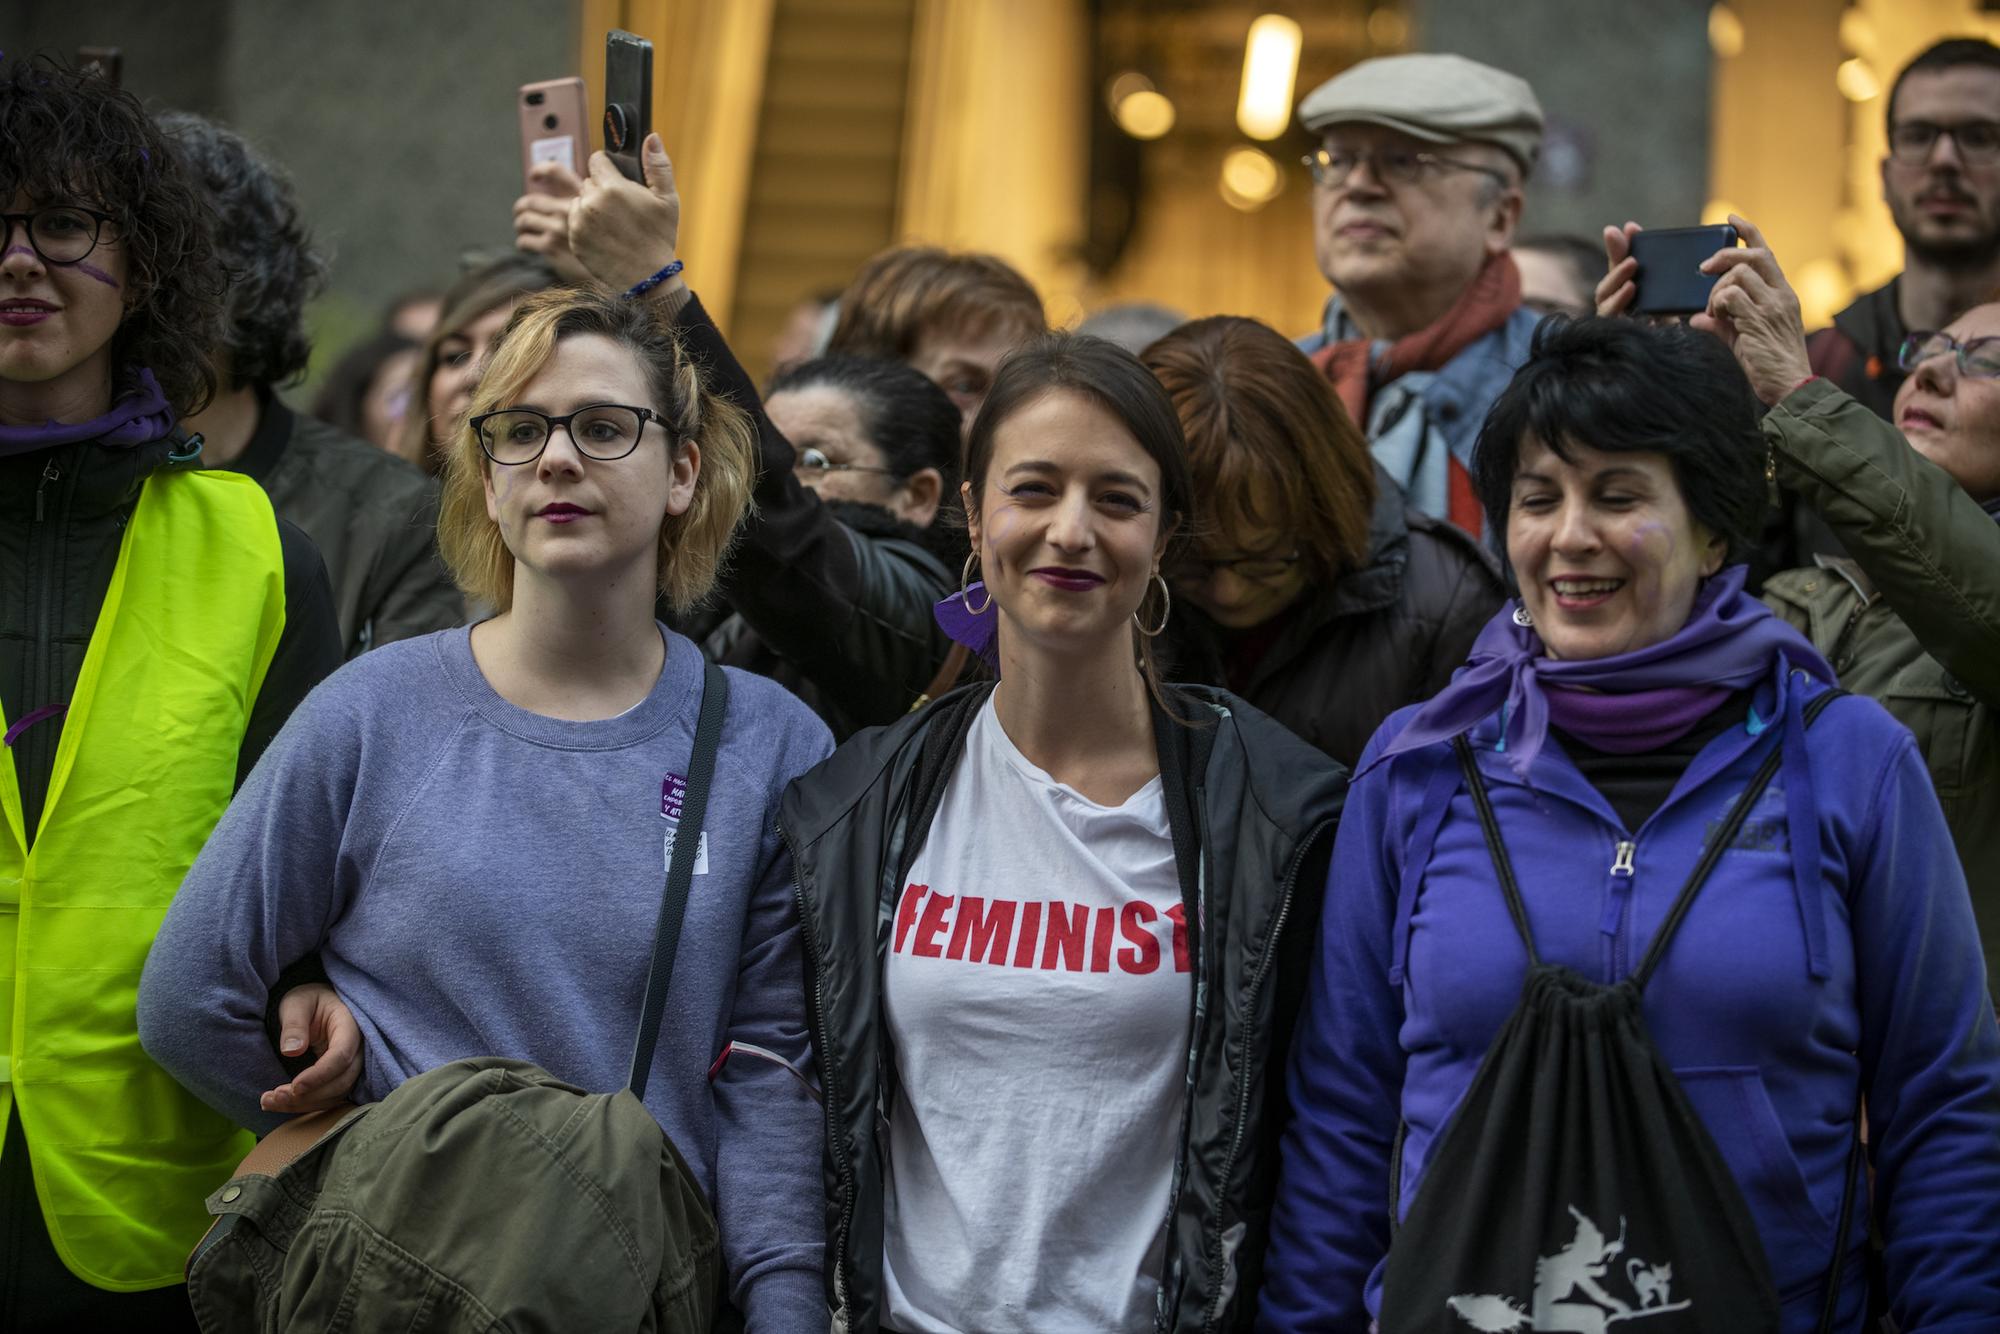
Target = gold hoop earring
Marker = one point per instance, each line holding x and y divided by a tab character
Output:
1166	609
964	587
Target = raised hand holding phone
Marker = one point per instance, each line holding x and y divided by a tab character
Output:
623	232
1754	310
628	99
1618	288
553	125
541	218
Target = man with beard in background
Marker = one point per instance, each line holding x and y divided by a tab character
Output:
1941	180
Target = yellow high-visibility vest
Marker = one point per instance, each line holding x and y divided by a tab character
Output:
123	1156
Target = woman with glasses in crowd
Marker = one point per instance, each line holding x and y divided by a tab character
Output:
1312	590
157	625
467	827
1911	617
1055	926
878	444
1566	859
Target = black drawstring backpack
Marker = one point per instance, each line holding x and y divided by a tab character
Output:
1576	1187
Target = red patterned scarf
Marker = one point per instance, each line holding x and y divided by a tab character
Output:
1486	305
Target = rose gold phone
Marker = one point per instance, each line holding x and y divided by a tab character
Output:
552	124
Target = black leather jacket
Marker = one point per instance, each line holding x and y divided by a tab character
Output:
1252	810
849	611
897	566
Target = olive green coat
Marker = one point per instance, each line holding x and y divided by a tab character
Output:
1913	619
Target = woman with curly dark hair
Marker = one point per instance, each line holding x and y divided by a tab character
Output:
157	624
371	515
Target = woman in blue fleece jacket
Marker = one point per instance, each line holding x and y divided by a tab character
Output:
1616	710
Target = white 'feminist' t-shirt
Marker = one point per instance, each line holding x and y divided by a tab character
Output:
1038	995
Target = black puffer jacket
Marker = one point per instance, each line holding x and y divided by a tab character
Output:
848	611
1354	651
889	554
373	518
1252	813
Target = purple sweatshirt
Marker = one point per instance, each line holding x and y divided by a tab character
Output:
1419	966
484	881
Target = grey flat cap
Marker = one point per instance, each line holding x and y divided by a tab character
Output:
1442	98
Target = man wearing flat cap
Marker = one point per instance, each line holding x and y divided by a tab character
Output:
1417	191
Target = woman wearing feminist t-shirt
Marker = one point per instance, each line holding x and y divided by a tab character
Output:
1097	911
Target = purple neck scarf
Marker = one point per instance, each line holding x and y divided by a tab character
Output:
1635	722
138	414
1627	703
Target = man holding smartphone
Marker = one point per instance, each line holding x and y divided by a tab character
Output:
1417	191
1941	181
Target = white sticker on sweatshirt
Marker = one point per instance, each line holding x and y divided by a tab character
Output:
700	851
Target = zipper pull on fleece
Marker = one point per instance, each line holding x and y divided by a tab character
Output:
1621	888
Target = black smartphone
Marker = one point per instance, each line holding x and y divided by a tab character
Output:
107	62
1670	280
628	99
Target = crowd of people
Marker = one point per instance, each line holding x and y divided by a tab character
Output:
1480	816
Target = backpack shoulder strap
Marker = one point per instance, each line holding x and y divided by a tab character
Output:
1503	865
1720	841
680	871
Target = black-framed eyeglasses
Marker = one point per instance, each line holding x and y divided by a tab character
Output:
602	431
1253	569
1976	358
1977	141
1392	166
59	233
813	462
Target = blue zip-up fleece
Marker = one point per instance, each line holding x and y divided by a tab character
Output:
485	881
1419	966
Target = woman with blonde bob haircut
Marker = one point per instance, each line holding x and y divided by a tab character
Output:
467	829
711	436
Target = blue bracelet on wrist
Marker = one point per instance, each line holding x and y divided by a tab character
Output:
645	285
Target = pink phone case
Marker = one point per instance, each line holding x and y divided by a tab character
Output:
552	124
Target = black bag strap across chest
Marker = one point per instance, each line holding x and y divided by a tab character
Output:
680	872
1718	843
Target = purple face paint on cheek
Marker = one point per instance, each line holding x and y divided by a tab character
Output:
1646	543
90	270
